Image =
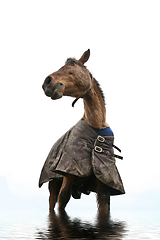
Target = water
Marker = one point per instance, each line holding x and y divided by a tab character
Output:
35	224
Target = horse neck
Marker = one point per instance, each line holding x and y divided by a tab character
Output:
94	107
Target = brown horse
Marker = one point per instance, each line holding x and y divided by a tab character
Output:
75	80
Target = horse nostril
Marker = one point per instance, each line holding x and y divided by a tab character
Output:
48	81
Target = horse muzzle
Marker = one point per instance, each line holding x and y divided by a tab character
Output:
54	91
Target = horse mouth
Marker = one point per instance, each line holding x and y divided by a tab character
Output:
55	93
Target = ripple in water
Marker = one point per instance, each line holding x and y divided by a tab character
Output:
63	227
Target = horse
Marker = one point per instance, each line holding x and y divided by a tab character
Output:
75	80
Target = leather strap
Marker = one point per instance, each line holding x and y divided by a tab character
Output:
96	148
85	93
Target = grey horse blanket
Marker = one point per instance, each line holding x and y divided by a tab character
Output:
82	152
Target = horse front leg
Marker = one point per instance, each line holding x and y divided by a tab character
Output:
54	187
65	191
103	198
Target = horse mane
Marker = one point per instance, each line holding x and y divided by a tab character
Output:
99	87
68	59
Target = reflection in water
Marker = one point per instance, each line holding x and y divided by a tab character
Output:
62	227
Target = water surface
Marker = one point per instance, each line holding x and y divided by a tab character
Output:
34	224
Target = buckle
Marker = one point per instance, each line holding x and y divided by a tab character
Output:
101	139
98	149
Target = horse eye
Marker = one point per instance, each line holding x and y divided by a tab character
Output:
72	63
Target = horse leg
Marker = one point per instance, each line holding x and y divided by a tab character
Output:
65	191
103	198
53	187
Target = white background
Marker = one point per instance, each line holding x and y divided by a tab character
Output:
36	39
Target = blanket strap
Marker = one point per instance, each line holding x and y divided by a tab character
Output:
95	148
116	148
100	150
102	139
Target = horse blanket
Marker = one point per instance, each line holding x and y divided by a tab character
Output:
82	152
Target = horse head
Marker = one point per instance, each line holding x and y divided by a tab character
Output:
73	79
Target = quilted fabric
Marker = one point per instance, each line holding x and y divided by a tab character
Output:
82	152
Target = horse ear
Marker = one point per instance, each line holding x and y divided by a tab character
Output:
84	58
